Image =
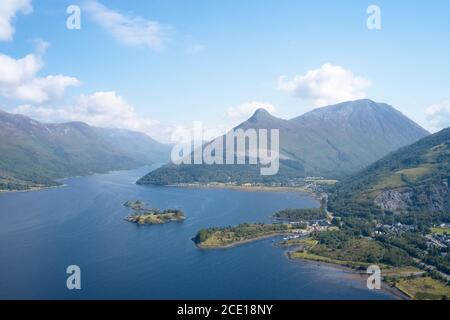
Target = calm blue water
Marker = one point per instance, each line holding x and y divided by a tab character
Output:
41	233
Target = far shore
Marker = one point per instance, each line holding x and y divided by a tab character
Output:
244	188
33	189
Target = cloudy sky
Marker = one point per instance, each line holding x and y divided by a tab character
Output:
154	66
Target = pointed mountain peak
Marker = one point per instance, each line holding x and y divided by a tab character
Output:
261	113
261	118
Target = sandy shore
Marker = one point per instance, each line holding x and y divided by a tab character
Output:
240	187
247	188
34	189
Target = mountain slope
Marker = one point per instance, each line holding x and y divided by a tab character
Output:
35	154
136	145
333	141
413	178
348	136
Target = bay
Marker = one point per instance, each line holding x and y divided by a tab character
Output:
82	223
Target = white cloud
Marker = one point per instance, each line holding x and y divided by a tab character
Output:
438	115
40	89
246	110
128	30
100	109
8	10
327	85
17	71
19	80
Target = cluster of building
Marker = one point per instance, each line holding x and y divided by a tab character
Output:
397	228
440	240
312	225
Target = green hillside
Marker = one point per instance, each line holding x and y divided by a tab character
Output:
413	178
34	154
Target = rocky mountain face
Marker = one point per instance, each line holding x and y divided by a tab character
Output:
434	198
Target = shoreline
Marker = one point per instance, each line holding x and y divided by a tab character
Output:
394	291
398	293
34	189
246	188
239	187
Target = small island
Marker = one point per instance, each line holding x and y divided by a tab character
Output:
143	215
232	236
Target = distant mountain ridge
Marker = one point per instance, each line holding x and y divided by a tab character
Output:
34	154
135	144
333	142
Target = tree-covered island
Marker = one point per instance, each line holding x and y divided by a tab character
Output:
143	215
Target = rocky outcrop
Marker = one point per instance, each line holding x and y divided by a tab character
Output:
435	197
393	200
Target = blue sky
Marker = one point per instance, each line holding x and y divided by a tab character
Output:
216	61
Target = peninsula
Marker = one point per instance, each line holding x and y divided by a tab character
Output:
226	237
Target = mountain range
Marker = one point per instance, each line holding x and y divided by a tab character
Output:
333	142
35	154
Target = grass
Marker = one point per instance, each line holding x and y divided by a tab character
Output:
353	250
397	179
353	254
401	271
314	257
424	288
307	243
311	243
389	182
440	230
415	173
434	152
